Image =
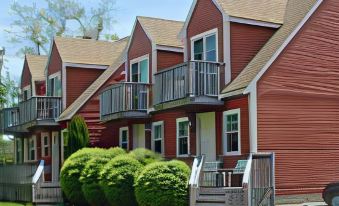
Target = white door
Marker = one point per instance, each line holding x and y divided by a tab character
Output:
138	136
206	144
55	156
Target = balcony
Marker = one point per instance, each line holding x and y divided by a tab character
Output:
124	100
194	82
37	111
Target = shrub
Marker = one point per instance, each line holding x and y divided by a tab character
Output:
78	136
90	177
145	156
117	179
163	184
71	171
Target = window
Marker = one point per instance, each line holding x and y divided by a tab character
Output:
232	132
18	150
26	93
54	86
158	136
205	46
139	69
45	145
31	148
182	137
124	138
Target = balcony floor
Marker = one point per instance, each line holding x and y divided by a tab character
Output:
199	100
126	115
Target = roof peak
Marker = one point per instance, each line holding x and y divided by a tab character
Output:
156	18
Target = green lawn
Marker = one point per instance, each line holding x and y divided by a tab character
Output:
13	204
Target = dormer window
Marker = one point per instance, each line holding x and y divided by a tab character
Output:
54	85
26	93
139	70
204	46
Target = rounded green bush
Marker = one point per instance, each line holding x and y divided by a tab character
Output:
163	184
117	179
145	156
71	171
90	176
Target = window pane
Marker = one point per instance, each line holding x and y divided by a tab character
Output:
157	132
235	142
144	71
124	145
210	43
46	151
135	75
52	87
198	49
183	146
183	129
211	56
157	146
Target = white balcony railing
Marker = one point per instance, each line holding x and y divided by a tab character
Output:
191	79
123	97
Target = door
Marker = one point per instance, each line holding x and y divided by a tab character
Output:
206	138
138	136
55	156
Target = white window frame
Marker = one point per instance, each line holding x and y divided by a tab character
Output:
155	124
43	146
179	120
29	92
29	149
225	114
54	76
19	150
204	36
121	129
138	60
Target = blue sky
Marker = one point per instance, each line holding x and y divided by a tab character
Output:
125	15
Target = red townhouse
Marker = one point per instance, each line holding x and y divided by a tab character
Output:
53	89
125	106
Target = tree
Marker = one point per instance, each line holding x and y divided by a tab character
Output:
78	136
35	27
6	151
9	92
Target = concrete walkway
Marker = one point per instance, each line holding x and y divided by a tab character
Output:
307	204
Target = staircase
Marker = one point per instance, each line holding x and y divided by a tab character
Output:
214	188
95	127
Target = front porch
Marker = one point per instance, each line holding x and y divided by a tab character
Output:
25	183
250	183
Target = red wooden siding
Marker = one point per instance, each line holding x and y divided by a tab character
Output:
170	125
167	59
91	113
298	110
78	80
55	63
40	88
26	76
140	46
246	41
242	104
206	16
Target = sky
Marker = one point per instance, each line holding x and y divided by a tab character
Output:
126	11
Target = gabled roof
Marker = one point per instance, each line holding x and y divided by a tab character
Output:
85	51
295	13
119	57
272	11
37	65
162	32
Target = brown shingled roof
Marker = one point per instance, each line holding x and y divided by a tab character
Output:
37	65
119	57
272	11
162	31
85	51
295	12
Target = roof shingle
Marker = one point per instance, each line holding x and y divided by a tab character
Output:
37	65
162	32
85	51
272	11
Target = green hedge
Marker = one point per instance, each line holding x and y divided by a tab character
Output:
90	177
71	171
145	156
163	184
117	179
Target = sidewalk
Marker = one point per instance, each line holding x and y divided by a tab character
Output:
307	204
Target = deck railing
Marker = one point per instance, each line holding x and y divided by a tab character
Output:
195	178
35	108
122	97
194	78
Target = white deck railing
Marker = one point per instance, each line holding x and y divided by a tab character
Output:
194	182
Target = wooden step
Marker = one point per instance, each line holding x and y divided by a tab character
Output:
212	190
211	198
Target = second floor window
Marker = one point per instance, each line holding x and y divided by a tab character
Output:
54	86
139	70
204	46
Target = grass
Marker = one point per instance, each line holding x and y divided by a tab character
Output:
14	204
